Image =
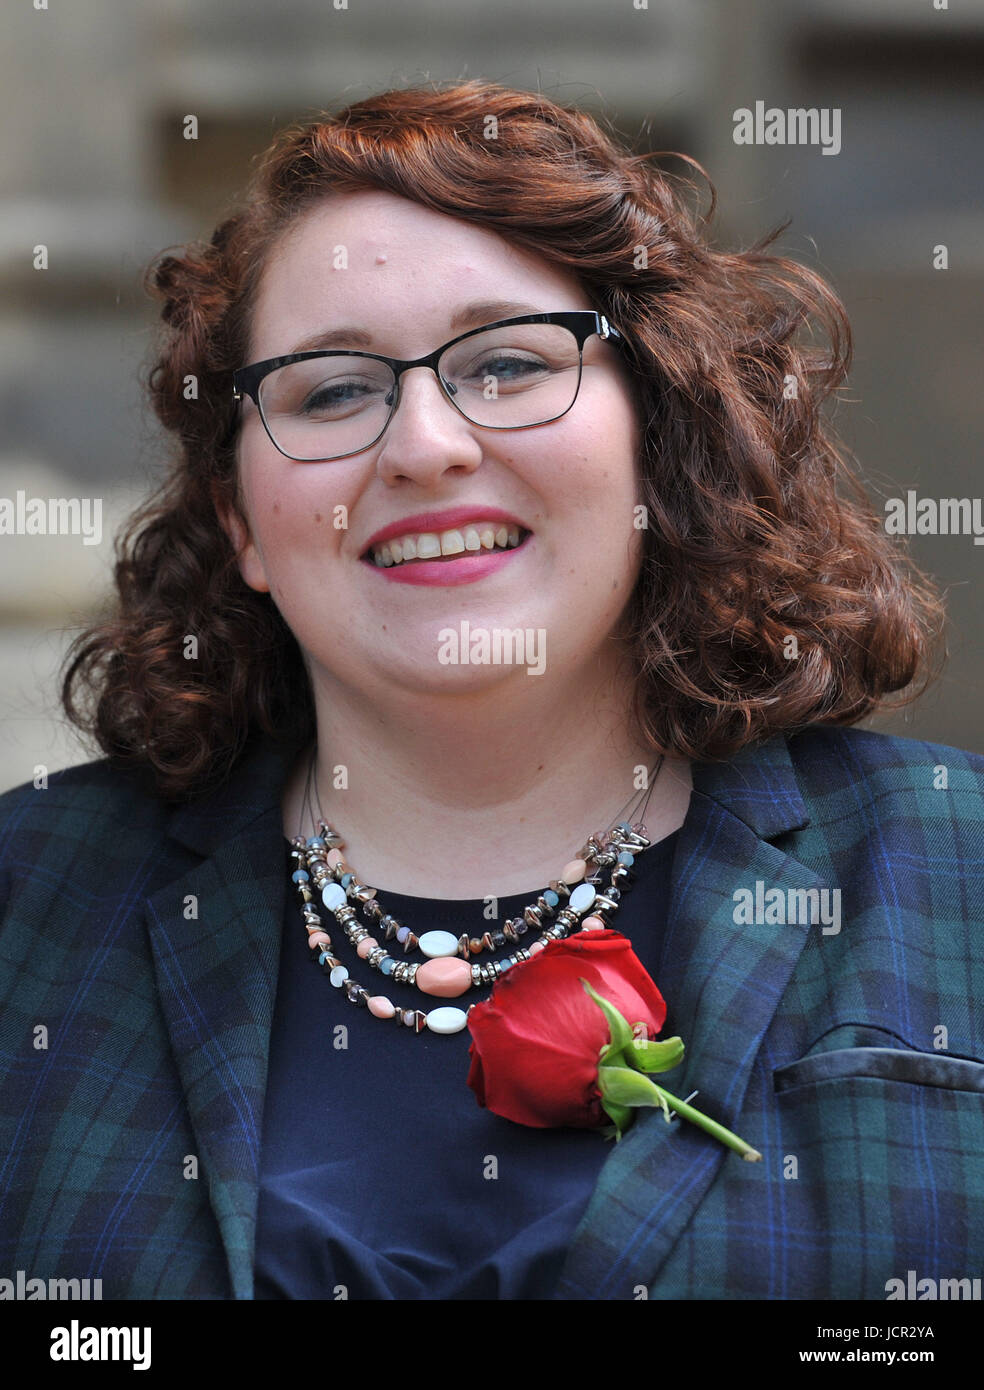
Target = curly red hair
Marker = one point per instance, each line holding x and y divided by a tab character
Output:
769	598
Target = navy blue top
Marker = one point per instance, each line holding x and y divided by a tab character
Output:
381	1175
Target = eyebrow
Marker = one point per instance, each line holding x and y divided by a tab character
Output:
469	316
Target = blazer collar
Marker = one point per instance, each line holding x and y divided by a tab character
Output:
215	938
251	790
758	787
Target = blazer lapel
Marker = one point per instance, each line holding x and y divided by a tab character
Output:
723	984
215	936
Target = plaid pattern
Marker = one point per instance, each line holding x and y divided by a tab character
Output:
145	941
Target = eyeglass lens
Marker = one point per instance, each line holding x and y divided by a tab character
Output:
506	378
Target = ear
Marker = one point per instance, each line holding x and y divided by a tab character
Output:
247	555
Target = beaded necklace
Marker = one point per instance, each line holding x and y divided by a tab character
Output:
446	972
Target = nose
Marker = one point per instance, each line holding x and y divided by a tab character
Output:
426	436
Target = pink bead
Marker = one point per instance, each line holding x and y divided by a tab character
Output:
446	977
380	1007
318	938
537	947
368	944
574	871
593	924
333	857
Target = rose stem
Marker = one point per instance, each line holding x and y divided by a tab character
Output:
711	1126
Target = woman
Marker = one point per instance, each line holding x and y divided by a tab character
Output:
462	365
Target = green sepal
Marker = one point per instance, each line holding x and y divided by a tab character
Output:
620	1030
654	1056
622	1086
622	1117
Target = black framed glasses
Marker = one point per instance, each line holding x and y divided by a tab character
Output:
508	375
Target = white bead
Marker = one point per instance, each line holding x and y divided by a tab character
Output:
439	943
582	897
446	1020
338	975
333	895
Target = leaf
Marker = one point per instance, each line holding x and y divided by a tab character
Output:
654	1056
620	1030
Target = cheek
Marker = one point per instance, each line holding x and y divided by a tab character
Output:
599	470
282	528
291	501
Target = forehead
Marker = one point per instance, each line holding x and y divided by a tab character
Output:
395	268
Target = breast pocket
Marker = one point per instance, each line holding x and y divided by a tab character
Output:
883	1154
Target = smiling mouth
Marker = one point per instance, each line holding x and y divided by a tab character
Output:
456	544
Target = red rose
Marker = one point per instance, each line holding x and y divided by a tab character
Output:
537	1039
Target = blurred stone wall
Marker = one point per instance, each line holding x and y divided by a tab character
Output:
95	167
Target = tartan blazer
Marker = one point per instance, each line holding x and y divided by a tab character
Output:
134	1033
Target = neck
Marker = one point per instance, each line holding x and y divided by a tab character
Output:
486	793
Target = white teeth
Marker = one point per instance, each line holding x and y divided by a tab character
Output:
429	545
